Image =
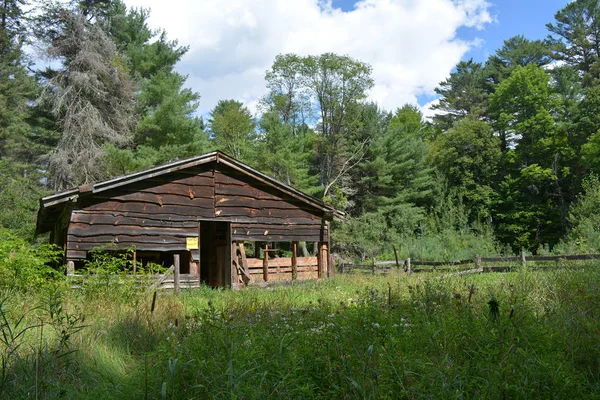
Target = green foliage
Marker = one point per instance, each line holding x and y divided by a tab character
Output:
350	336
516	51
232	126
576	38
23	266
468	156
462	94
585	219
284	155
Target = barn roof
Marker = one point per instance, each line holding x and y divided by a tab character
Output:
52	205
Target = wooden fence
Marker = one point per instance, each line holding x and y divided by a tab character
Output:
480	264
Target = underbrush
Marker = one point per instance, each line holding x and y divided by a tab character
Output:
526	334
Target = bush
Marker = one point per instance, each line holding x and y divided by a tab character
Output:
23	265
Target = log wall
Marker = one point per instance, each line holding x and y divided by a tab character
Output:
159	213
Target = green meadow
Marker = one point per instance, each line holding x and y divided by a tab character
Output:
519	335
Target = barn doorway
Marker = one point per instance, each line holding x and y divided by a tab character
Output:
215	253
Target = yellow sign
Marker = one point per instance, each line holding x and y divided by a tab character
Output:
191	243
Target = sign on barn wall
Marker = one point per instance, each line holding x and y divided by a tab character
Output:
191	243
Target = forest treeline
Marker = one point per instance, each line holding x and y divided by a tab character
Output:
508	163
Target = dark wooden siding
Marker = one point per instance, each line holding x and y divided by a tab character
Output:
258	212
159	213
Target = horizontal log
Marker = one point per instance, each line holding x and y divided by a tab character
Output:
247	201
158	247
441	263
84	230
206	189
302	261
501	259
252	212
73	241
108	218
145	208
75	254
282	270
244	190
161	200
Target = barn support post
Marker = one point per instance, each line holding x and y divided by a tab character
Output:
235	283
266	263
321	259
176	282
134	262
70	267
245	269
330	265
294	260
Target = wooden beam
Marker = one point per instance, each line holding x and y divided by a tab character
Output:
320	260
235	278
176	275
134	262
245	269
70	267
266	263
294	260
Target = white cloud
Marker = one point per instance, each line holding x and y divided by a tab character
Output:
411	44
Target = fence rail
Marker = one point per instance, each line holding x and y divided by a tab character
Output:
409	265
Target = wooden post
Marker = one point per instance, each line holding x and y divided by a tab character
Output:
523	259
408	266
245	268
396	256
478	264
176	273
70	267
330	266
373	264
235	281
294	260
321	259
134	262
266	263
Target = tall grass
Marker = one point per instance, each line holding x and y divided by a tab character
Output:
395	336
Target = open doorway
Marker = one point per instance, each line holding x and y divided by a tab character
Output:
215	253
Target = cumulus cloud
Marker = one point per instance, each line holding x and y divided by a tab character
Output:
411	44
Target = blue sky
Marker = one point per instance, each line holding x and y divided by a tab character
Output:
512	17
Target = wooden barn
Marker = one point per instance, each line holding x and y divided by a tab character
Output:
206	212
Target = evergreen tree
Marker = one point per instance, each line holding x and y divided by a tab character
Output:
463	93
91	97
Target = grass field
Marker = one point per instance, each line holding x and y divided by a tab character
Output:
519	335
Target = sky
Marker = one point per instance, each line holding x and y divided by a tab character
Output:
412	45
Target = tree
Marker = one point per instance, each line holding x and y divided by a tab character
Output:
468	156
400	180
338	84
232	126
462	94
516	51
576	36
288	90
91	96
523	105
166	110
584	217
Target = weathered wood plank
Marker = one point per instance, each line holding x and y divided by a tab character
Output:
302	261
83	230
107	218
146	208
73	241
